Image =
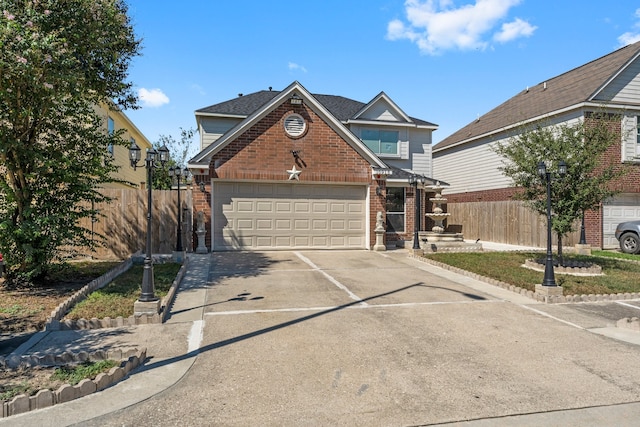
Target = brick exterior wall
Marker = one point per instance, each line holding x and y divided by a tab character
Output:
264	152
629	183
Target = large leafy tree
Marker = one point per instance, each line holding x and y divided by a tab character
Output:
590	172
58	61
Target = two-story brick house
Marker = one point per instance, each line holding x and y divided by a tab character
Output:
610	84
294	170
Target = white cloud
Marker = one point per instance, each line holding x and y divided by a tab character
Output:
152	97
436	26
628	38
198	89
514	30
293	66
631	37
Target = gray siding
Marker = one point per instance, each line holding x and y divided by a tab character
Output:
212	128
625	88
474	166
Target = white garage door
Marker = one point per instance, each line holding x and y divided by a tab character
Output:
623	207
259	216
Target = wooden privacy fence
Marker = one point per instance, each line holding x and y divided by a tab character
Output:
503	222
123	223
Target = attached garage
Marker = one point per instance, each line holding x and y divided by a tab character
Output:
623	207
266	216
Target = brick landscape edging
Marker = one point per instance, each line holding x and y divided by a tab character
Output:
130	360
531	294
54	323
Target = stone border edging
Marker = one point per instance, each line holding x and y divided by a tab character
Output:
130	360
531	294
594	270
54	323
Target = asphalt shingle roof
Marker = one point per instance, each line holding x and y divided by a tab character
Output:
340	107
573	87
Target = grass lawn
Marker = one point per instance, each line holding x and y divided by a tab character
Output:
117	298
620	275
25	309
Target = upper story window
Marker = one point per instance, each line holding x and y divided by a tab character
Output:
111	128
381	141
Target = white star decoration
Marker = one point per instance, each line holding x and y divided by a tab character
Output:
294	173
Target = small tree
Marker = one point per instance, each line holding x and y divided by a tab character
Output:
179	155
589	172
58	61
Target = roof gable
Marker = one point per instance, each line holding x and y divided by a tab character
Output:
274	99
568	90
382	108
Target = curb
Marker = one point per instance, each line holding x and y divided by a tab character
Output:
130	360
552	299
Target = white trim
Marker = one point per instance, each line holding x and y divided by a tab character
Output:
389	124
367	218
231	116
211	205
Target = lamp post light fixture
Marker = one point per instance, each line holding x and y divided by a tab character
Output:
150	163
178	172
414	180
544	173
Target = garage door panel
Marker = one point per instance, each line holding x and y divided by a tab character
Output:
288	216
264	207
283	207
304	207
301	224
623	207
264	224
283	224
244	206
302	241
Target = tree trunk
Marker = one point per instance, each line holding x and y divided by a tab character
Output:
560	258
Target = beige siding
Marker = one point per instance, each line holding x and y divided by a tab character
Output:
121	154
625	88
473	169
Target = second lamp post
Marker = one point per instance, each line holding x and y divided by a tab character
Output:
414	180
178	172
544	173
153	156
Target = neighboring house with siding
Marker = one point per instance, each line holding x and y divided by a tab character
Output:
114	120
610	84
290	169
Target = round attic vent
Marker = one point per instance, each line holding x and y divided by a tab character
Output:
294	125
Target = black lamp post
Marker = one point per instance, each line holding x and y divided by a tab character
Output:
414	180
583	237
178	172
153	156
549	276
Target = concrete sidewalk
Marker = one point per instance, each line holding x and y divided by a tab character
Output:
171	349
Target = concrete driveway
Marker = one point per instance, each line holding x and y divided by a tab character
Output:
378	339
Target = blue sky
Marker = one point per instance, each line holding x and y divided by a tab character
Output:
444	61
